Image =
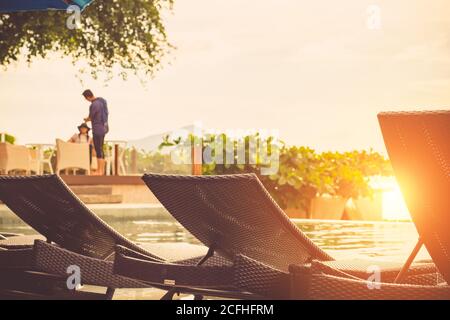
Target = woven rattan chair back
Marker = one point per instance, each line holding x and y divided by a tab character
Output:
49	206
418	144
234	214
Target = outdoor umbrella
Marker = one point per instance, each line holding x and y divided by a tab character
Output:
32	5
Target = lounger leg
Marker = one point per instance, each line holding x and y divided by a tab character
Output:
109	293
408	262
169	295
208	255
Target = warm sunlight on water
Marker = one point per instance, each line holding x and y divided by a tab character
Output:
342	239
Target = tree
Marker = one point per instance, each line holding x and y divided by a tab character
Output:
125	33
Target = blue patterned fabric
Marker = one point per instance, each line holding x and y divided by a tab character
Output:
34	5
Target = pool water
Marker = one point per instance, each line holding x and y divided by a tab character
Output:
341	239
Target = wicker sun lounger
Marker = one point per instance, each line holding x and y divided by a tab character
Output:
419	150
234	216
74	236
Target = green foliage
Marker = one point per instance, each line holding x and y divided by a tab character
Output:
125	33
168	143
156	162
303	173
300	177
9	138
349	171
247	164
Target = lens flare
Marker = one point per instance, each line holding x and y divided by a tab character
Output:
394	207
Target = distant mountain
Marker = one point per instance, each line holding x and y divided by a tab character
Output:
151	142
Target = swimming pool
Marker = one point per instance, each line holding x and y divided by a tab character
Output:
341	239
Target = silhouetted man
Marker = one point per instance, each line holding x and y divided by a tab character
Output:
98	116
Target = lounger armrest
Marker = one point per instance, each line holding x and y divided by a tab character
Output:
244	274
170	274
53	259
328	287
313	282
420	273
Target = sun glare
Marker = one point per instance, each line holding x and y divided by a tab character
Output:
394	207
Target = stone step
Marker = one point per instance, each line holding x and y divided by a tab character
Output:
92	190
100	198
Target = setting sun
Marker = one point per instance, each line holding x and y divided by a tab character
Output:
394	207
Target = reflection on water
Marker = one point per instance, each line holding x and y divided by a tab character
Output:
362	240
342	239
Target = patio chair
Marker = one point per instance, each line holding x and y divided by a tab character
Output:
41	155
14	157
35	166
74	236
72	156
234	216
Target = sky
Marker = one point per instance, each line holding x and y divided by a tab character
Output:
316	71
